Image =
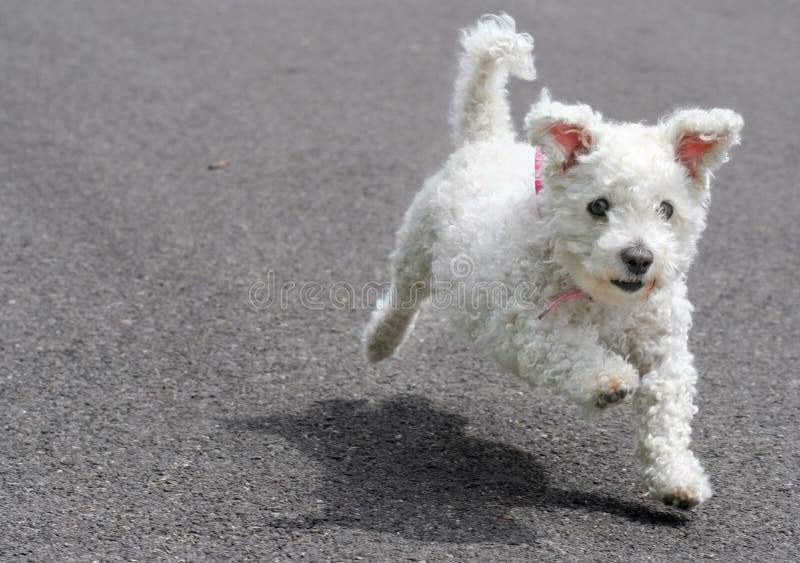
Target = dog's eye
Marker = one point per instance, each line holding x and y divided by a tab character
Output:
665	209
599	207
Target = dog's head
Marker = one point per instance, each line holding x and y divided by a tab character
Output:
627	202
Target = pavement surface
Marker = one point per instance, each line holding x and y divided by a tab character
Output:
157	403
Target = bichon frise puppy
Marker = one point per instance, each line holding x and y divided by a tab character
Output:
565	257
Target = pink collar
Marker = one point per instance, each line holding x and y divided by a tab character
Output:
560	299
539	158
539	186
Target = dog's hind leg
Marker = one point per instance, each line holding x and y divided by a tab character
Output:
396	311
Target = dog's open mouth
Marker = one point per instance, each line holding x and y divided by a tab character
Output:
629	286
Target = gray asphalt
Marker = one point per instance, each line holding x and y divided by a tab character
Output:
153	407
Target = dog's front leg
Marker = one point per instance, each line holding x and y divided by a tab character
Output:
664	403
571	360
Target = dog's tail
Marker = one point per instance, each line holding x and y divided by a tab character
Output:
491	50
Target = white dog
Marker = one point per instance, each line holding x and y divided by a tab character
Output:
581	287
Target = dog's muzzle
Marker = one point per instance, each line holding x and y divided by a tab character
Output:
637	259
628	286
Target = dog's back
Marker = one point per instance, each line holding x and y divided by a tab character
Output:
481	120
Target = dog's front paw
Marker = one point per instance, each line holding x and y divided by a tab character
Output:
613	396
685	499
683	487
611	387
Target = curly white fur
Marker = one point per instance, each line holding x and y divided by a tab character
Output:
492	50
480	210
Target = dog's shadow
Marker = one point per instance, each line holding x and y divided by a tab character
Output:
405	467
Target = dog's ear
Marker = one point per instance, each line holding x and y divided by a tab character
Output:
701	138
563	132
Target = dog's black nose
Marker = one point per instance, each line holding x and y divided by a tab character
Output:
637	259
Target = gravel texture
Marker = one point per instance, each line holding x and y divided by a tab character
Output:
149	411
